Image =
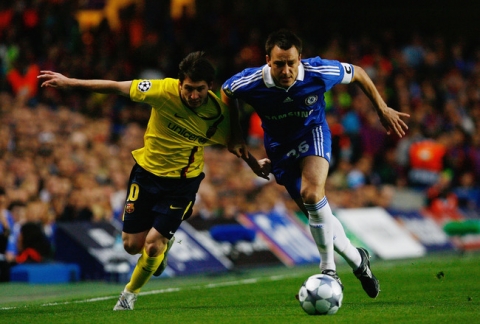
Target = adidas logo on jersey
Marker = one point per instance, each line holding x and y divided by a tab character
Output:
288	100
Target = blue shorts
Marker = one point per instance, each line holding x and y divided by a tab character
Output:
158	202
285	157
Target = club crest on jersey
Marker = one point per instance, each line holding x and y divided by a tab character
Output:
144	85
311	100
129	207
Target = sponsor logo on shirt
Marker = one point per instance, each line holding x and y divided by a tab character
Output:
301	114
185	133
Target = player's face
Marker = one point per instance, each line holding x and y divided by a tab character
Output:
194	94
284	65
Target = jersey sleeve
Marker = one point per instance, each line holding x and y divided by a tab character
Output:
242	82
228	86
147	91
331	72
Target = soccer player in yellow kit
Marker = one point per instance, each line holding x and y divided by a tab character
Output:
185	117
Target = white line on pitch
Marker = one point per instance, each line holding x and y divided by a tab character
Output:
163	291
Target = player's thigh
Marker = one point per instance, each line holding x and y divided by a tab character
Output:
303	164
306	182
174	210
314	171
176	205
134	242
141	200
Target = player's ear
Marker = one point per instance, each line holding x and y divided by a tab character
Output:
267	59
210	85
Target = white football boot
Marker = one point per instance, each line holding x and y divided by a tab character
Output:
126	301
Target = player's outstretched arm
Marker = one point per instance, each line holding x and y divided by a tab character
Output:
390	118
58	80
236	144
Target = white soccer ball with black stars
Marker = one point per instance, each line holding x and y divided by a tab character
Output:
320	295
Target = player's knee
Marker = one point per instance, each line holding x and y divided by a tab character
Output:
132	248
155	248
310	196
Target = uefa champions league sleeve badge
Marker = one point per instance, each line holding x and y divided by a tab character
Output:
144	85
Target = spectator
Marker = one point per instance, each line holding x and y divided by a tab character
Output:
468	194
18	210
6	224
473	153
362	173
22	78
33	245
427	161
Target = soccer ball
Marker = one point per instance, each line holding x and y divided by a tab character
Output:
320	295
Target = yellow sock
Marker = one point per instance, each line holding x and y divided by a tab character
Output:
144	269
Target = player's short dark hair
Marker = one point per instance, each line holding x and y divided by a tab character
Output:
284	39
197	67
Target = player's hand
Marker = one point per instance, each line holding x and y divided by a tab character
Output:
392	121
54	80
261	168
265	168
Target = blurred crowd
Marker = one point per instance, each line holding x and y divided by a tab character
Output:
65	156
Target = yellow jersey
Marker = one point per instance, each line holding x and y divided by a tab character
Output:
176	135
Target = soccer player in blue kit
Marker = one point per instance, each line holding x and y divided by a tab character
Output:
288	95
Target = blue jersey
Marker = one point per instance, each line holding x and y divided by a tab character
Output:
288	114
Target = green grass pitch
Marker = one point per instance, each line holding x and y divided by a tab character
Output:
440	288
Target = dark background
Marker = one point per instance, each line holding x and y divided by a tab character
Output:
449	18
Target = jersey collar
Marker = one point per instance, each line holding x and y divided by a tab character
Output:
268	80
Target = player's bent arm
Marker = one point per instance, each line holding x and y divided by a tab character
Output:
390	118
236	144
368	87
